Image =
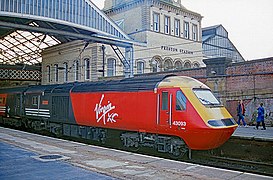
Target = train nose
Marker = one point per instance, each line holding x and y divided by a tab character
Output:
210	138
223	136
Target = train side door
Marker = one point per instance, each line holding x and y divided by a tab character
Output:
165	106
18	105
180	116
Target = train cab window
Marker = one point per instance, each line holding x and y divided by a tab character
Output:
206	97
180	101
164	100
35	100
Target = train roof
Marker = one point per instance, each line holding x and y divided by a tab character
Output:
139	83
19	89
56	88
183	82
39	88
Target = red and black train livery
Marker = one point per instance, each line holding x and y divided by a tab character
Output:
169	113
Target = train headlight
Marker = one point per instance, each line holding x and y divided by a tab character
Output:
222	122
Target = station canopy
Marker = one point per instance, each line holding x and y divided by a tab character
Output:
27	28
24	47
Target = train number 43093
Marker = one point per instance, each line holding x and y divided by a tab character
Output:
179	123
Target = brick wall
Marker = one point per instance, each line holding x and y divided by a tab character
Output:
251	81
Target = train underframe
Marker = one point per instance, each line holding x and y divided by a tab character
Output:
172	145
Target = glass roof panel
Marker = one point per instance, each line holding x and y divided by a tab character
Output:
24	47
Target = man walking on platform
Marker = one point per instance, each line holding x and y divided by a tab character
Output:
241	113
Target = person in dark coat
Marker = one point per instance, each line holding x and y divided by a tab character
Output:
241	113
260	117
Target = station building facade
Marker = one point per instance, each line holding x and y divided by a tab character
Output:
171	36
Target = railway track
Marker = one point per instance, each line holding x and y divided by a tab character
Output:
235	164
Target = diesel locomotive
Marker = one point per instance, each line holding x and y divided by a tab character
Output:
169	113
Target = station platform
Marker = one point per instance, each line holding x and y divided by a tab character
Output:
21	154
251	133
17	163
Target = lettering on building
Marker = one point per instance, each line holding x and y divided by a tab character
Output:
173	49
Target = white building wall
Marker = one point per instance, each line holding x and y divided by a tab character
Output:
136	20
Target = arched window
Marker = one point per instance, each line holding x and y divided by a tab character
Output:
111	67
77	70
140	67
155	66
48	73
56	73
87	68
187	65
178	65
65	72
168	65
196	65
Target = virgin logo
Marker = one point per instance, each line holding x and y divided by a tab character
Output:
103	112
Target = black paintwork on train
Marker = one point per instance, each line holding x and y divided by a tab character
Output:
131	84
15	101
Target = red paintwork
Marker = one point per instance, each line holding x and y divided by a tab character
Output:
3	104
133	109
137	111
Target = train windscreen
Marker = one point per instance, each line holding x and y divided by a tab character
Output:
206	97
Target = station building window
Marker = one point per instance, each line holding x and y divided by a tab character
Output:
194	32
167	25
155	66
56	73
48	73
186	30
111	67
156	21
178	65
77	70
65	72
87	68
140	67
187	65
168	65
196	65
177	27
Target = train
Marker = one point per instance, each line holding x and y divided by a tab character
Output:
172	114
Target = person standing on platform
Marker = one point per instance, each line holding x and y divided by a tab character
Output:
260	117
241	113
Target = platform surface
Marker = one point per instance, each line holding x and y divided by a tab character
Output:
256	134
18	148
